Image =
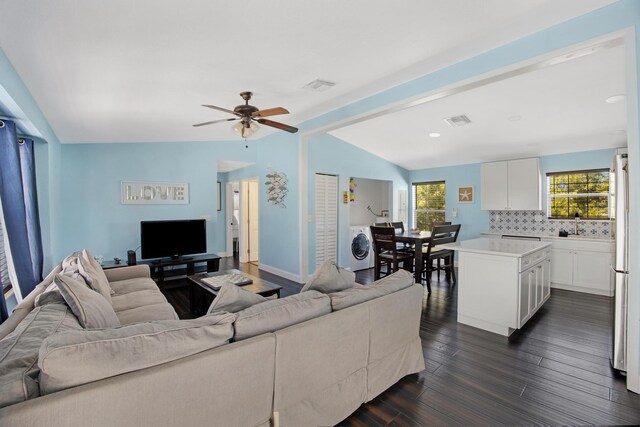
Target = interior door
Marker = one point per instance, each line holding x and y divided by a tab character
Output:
326	199
253	254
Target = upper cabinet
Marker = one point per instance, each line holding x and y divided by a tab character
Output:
511	185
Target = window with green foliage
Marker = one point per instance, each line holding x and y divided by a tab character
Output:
583	192
429	204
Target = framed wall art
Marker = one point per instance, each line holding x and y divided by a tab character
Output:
466	194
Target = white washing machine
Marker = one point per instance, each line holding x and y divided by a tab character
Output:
361	247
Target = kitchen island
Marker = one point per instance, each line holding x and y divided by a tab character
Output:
501	282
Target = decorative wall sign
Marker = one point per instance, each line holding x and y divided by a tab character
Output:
465	194
352	190
153	193
276	186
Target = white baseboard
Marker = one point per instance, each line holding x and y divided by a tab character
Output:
582	289
282	273
224	254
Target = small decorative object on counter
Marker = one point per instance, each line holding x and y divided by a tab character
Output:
116	260
563	233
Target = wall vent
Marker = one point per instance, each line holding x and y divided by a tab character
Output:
319	85
457	121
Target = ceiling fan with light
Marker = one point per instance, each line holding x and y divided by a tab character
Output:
247	115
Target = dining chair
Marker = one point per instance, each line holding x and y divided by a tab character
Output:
437	261
387	253
399	228
440	235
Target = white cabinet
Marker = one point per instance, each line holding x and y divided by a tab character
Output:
534	288
501	282
511	185
582	266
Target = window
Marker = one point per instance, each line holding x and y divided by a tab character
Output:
583	192
428	203
4	271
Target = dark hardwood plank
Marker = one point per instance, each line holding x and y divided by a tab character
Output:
554	372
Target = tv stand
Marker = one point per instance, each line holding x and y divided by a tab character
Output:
157	266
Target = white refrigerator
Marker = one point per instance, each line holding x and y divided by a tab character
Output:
620	312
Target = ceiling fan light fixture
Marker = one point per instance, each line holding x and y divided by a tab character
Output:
245	131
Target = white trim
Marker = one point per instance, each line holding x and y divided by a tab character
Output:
10	267
582	289
282	273
633	145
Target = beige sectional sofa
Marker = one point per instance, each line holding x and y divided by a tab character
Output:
358	342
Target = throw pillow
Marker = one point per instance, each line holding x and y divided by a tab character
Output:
91	309
330	278
71	267
98	280
232	298
73	358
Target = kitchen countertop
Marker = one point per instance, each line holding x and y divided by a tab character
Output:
492	246
582	237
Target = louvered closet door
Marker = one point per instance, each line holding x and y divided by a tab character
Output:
326	218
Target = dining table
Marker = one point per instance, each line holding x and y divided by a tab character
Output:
417	239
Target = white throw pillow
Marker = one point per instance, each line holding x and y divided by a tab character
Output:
232	298
97	279
330	278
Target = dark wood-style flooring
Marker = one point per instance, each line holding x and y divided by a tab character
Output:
555	371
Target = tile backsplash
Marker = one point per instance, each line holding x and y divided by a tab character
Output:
512	222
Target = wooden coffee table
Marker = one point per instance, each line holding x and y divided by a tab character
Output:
201	294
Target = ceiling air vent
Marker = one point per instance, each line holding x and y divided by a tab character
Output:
457	121
319	85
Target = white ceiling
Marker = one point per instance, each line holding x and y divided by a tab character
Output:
561	109
135	71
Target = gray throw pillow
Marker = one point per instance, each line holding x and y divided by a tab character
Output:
233	298
91	309
330	278
51	295
73	358
97	279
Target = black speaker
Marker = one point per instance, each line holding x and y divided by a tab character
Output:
131	257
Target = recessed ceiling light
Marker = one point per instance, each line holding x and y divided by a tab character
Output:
434	135
615	98
515	118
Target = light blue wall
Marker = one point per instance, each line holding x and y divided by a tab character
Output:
474	220
95	218
279	226
330	155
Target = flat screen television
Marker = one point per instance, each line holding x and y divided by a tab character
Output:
173	238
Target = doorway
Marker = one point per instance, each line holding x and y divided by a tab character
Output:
249	221
232	216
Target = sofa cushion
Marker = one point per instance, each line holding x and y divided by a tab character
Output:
272	315
78	357
97	279
232	298
330	278
19	351
401	279
23	309
147	313
137	299
126	286
91	309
